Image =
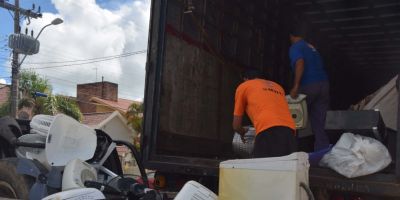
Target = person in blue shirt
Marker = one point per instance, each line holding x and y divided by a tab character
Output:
311	79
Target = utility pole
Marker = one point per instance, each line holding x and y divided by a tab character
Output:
15	61
15	67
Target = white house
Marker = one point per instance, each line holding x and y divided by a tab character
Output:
113	123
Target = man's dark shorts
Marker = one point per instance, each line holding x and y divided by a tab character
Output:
274	142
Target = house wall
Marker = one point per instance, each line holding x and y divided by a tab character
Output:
4	94
104	90
118	131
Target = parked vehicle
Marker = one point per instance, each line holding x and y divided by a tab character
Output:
198	48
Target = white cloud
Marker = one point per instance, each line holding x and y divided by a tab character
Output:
91	31
3	81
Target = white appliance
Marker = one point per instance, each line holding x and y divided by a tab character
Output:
67	139
298	109
264	178
76	173
77	194
40	124
385	100
194	190
244	149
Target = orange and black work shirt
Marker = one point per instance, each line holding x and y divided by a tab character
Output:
265	104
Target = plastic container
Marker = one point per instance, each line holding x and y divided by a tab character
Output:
264	178
298	109
76	172
194	190
68	139
81	193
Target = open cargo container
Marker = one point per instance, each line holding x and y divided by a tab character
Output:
197	49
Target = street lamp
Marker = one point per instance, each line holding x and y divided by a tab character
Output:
16	67
55	21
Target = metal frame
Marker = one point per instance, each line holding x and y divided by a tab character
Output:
378	184
155	59
155	62
351	25
154	66
398	130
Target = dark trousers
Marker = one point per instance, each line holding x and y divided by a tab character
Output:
317	104
274	142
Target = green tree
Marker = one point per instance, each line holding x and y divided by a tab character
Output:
134	116
5	109
62	104
30	83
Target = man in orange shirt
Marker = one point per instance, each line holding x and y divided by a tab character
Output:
265	104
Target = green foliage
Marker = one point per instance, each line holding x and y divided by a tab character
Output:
31	82
26	102
5	109
134	116
62	104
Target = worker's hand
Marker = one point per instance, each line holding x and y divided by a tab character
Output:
294	92
243	139
242	133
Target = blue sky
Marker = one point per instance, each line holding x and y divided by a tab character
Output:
91	29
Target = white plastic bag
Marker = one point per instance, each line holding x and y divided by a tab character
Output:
355	155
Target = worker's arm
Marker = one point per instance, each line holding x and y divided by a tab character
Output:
237	126
299	69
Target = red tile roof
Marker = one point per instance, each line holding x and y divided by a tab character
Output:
93	119
4	93
121	104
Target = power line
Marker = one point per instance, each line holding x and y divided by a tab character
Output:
90	59
10	14
3	58
98	59
89	94
85	63
73	73
47	50
75	83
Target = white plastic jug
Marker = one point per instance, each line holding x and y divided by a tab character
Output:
264	178
195	190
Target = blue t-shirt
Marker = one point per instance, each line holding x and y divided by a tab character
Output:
313	67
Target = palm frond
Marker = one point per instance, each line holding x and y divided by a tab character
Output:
26	102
